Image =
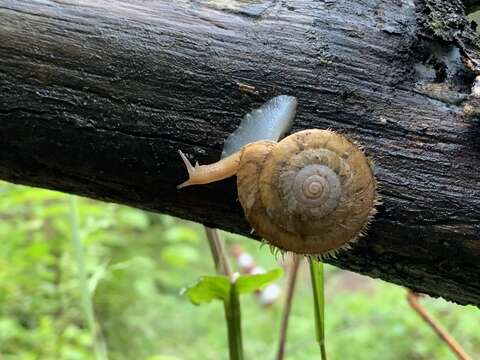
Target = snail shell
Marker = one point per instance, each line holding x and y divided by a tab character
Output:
311	193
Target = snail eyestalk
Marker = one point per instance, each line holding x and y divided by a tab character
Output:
204	174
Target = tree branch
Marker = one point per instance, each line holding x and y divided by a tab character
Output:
97	96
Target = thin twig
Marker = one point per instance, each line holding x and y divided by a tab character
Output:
292	279
217	248
412	298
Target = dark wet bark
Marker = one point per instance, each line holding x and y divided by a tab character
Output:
97	96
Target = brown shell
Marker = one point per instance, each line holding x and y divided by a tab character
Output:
311	193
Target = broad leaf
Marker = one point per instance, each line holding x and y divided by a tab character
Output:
209	288
250	283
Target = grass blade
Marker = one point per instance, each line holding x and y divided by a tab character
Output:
99	345
316	274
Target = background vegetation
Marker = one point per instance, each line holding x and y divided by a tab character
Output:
138	262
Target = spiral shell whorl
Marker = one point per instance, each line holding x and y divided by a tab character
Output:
314	191
308	184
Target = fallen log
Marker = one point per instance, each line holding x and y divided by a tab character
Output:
97	96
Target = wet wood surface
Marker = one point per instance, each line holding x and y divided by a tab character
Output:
97	96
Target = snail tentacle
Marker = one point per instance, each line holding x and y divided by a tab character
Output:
204	174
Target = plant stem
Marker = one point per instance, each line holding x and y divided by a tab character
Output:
219	255
412	299
316	275
232	307
233	317
98	344
292	279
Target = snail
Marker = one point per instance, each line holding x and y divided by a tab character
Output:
312	193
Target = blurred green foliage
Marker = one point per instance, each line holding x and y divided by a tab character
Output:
137	264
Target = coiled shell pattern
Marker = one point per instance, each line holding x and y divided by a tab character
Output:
311	193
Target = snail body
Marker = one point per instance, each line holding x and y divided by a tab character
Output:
311	193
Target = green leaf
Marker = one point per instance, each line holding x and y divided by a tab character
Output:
209	288
250	283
